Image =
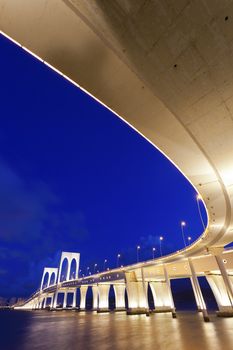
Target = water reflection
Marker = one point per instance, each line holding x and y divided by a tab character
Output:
85	330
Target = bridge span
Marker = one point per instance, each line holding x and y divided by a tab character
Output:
134	280
165	68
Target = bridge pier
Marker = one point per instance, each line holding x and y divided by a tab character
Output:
222	297
221	285
197	300
103	295
95	297
162	295
65	300
119	290
74	298
137	300
55	300
197	292
83	293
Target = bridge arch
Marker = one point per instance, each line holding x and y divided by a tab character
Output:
52	279
45	280
69	257
64	270
73	269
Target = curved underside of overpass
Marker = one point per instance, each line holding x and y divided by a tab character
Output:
164	67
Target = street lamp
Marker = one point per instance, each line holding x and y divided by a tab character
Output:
105	263
95	267
153	252
182	225
118	258
138	248
160	244
88	268
189	239
198	199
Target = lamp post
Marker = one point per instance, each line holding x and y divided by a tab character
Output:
95	267
118	258
182	225
88	268
105	263
160	244
138	248
189	239
153	252
198	199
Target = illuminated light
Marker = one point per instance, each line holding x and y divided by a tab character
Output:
161	238
53	68
33	54
119	255
154	249
227	176
183	223
138	247
189	238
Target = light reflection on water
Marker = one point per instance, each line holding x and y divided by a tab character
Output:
69	330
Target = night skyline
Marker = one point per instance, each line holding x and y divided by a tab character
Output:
75	177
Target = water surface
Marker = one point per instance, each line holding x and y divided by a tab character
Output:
71	330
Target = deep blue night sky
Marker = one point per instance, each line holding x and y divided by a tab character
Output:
74	177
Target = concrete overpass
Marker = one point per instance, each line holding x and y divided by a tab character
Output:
135	281
165	68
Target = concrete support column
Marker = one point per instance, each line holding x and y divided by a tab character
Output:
95	297
74	298
145	289
198	303
55	300
161	296
137	301
119	290
83	293
169	291
45	302
197	291
225	277
51	302
65	300
221	285
220	292
103	295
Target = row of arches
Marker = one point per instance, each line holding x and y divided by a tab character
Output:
48	280
68	272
